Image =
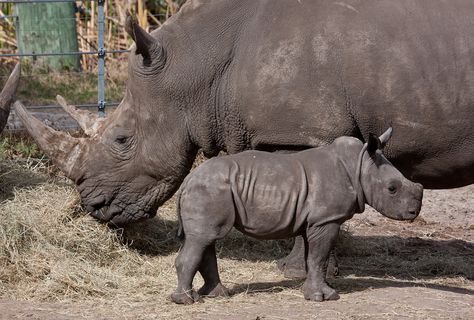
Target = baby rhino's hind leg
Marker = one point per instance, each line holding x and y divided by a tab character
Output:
187	264
212	283
211	220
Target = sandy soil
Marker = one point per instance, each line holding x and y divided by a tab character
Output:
389	270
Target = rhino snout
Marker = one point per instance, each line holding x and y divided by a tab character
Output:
419	192
413	210
413	213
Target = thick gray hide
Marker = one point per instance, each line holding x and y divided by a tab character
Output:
274	196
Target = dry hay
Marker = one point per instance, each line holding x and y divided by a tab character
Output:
50	250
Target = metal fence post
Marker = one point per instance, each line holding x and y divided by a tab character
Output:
101	58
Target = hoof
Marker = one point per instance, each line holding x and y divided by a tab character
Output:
323	293
185	297
217	291
319	296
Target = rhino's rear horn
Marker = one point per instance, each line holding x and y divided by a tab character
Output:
88	121
146	45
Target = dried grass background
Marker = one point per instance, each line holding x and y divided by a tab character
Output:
50	250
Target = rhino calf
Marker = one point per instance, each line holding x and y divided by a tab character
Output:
275	196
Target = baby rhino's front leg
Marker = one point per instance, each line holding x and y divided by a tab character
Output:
320	241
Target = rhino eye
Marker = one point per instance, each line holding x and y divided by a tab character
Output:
121	139
392	189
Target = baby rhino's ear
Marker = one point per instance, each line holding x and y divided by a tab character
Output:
373	144
385	137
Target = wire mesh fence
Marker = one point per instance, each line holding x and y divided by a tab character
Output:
99	79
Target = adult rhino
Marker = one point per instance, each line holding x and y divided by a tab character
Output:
6	96
237	75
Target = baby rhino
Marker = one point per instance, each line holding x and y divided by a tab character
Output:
275	196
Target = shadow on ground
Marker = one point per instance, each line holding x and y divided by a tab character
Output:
345	285
348	285
152	237
13	176
363	256
406	258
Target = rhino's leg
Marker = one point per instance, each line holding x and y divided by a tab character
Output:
321	240
187	264
293	266
208	269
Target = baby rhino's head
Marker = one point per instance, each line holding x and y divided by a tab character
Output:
385	188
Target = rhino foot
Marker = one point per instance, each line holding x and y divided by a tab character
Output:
323	293
185	297
214	291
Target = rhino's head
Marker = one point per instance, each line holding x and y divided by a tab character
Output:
384	187
133	161
6	96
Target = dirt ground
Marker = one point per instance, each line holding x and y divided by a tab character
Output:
389	270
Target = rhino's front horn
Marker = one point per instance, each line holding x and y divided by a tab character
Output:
6	95
64	150
88	121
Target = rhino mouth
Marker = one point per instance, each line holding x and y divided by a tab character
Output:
105	214
119	216
119	212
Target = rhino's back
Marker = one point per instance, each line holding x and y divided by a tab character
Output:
322	69
273	194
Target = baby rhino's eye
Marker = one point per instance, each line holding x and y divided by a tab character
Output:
392	189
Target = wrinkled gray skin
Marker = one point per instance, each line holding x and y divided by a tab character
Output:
280	75
6	96
275	196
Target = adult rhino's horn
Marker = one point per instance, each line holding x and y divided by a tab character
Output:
6	96
64	150
146	45
87	120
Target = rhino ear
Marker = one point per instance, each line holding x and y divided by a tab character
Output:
385	137
146	45
373	144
